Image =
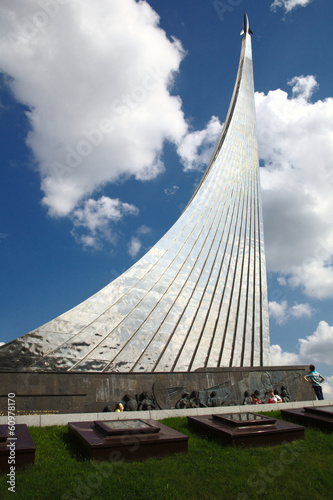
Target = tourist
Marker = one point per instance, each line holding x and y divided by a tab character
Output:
255	399
274	398
314	378
119	407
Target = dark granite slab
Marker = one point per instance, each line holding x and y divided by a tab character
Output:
139	439
321	416
21	449
247	429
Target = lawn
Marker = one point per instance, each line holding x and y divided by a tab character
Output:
209	470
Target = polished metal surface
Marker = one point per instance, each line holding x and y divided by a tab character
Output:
198	298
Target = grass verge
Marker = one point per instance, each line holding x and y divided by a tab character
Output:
209	470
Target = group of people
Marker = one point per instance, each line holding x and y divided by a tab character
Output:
273	398
313	377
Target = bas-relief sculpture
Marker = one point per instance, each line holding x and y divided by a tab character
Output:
198	298
224	394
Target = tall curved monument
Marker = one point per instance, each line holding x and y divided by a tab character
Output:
198	298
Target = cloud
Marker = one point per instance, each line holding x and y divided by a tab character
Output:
318	346
134	246
300	310
143	229
328	387
196	148
303	86
99	217
171	190
295	140
97	79
281	358
281	312
315	348
278	311
289	5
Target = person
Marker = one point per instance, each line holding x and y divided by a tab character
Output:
255	399
314	378
119	407
274	398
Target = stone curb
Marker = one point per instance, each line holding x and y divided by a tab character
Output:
44	420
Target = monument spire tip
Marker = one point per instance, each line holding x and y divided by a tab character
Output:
246	25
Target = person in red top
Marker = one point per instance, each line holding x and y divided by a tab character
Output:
255	399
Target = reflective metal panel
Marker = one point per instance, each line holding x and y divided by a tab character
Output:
199	297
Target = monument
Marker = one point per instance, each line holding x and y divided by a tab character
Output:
197	301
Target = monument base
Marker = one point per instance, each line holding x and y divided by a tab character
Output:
63	392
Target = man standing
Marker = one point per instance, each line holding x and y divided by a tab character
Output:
316	379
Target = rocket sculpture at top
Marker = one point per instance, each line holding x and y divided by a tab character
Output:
198	298
246	26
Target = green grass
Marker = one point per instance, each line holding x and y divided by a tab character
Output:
209	470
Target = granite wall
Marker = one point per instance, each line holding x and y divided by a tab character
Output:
92	392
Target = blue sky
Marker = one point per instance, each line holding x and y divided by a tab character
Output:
108	113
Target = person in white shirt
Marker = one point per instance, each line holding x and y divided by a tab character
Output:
274	398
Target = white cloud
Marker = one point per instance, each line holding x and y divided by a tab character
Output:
135	243
303	86
98	217
289	5
315	348
278	311
328	387
281	312
295	139
301	310
143	229
96	77
319	346
134	246
171	190
196	148
281	358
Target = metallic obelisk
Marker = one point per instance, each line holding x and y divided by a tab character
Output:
198	298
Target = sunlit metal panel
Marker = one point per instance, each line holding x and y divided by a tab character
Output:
198	298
